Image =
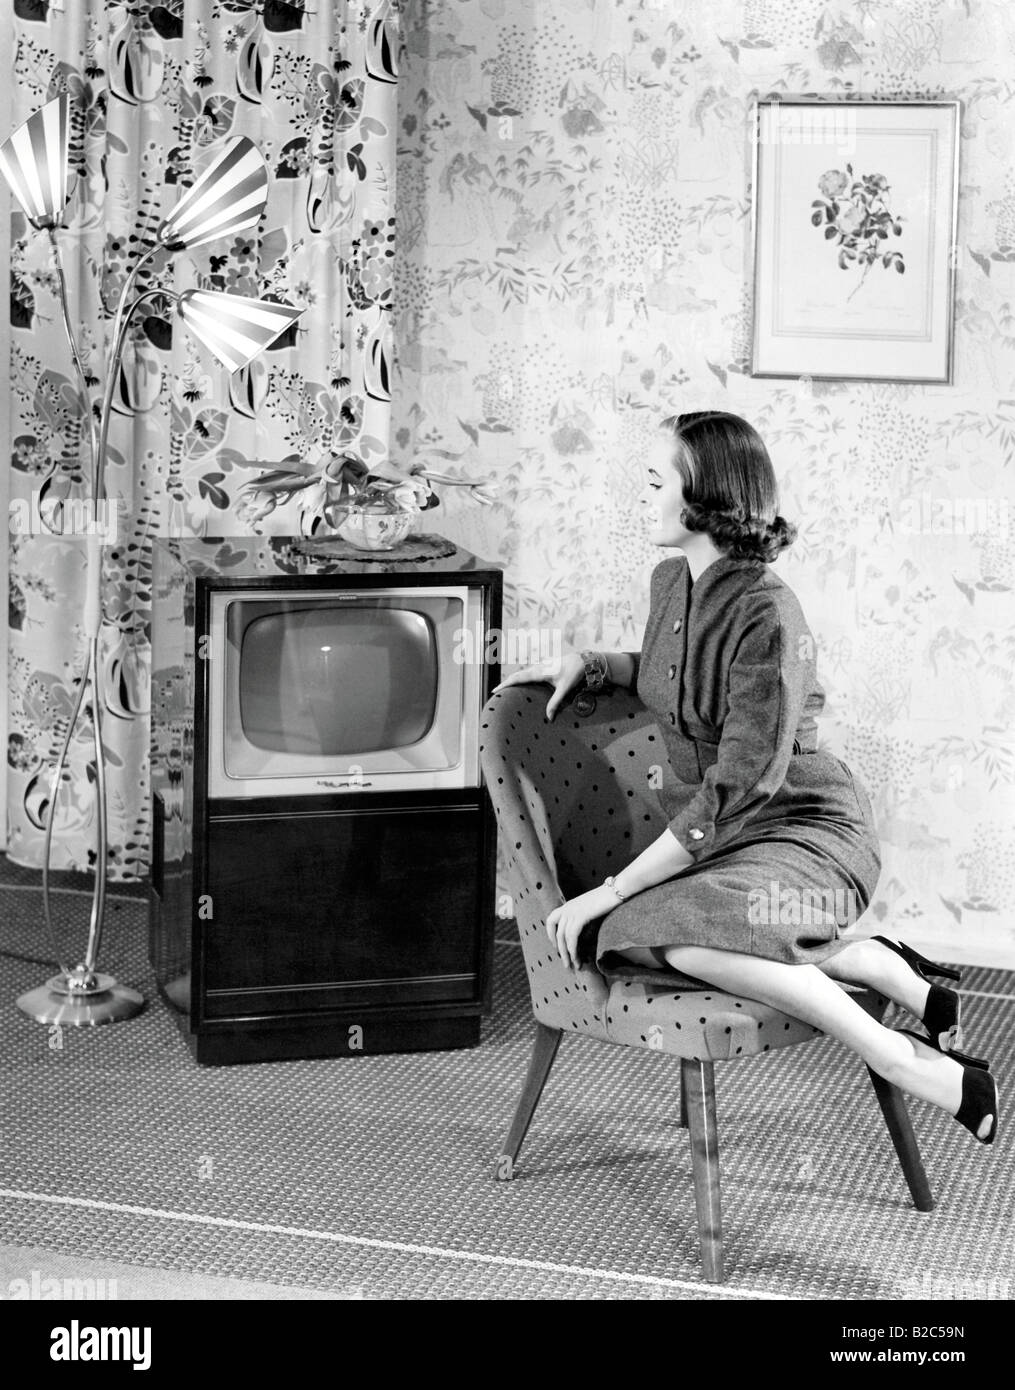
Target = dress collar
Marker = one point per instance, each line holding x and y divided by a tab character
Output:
713	572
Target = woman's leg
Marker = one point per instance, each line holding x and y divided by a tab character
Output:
805	992
869	963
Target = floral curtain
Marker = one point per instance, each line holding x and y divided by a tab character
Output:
156	89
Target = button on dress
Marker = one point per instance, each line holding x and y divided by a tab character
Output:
785	849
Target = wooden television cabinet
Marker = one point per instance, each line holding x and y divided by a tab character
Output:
336	924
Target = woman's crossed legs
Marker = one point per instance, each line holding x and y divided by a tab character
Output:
809	993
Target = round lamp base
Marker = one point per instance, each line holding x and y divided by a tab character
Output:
80	1001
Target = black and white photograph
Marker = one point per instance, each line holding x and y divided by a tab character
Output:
509	670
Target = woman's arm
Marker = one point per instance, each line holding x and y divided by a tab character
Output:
662	859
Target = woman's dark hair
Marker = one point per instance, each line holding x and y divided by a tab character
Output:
730	488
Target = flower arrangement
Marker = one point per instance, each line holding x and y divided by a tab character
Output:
858	223
345	484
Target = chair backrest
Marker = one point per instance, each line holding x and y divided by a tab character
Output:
575	800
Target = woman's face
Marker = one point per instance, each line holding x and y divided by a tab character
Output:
663	494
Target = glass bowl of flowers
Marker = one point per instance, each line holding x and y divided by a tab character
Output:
373	506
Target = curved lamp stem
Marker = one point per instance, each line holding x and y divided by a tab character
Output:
93	609
121	322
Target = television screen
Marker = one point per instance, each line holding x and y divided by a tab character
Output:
337	680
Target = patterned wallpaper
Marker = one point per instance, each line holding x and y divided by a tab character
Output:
573	242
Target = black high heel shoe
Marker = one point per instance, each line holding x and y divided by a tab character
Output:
942	1014
919	963
977	1062
979	1099
979	1091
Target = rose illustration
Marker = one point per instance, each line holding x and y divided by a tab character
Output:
850	219
833	183
857	227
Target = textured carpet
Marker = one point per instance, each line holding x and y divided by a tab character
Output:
49	1274
373	1176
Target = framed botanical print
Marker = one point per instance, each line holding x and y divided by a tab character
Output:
853	237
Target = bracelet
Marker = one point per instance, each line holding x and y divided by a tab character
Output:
611	882
597	670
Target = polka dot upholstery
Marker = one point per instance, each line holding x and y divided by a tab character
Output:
574	803
706	1026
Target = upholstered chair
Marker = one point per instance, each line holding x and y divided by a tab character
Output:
574	803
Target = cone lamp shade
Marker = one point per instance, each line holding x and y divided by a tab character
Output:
235	329
34	162
229	196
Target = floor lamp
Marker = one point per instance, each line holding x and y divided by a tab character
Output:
229	197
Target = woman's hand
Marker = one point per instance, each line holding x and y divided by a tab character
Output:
564	924
563	674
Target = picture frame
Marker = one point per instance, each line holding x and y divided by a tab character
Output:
854	220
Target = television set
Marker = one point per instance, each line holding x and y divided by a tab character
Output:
351	689
323	864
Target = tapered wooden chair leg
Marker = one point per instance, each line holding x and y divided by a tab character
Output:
698	1086
544	1050
900	1127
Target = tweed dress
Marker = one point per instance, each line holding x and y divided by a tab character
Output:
783	839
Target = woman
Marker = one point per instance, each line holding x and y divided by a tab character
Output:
728	667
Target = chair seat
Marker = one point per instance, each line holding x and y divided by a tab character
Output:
705	1025
708	1026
